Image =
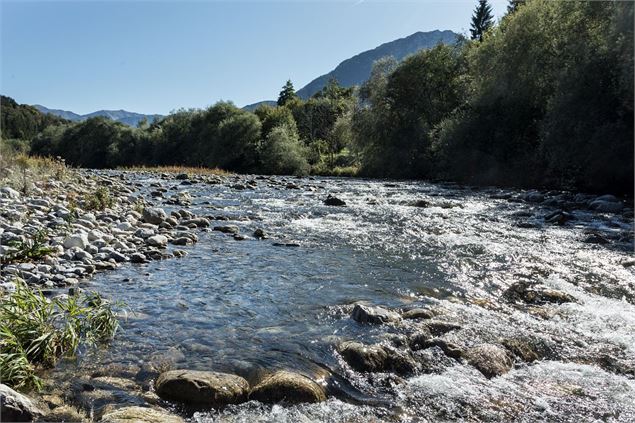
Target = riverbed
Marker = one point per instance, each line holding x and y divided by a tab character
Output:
251	306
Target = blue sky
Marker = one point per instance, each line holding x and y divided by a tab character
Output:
154	57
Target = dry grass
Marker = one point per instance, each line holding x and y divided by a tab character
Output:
178	169
23	172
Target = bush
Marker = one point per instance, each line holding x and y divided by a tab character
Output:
35	331
283	154
99	200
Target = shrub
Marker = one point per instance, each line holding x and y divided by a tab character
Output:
283	154
99	200
29	250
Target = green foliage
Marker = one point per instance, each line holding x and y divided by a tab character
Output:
287	94
283	153
35	331
20	121
100	199
32	249
482	20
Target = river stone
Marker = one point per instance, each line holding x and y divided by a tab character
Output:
533	293
334	201
202	387
418	313
489	359
200	222
154	215
606	206
15	407
229	229
288	387
157	241
367	314
139	414
9	193
363	358
438	328
79	240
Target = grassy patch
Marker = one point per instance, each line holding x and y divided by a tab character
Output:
23	172
178	169
36	331
100	199
32	249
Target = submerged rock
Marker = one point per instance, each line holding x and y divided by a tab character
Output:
418	313
15	407
288	387
140	414
202	387
377	315
533	293
229	229
489	359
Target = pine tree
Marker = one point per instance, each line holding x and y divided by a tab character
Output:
482	20
513	5
287	94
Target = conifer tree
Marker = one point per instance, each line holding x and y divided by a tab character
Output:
482	20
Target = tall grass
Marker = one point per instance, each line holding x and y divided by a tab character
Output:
23	172
35	332
31	249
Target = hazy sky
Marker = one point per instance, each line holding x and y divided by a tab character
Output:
153	57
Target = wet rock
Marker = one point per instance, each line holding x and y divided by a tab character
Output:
139	414
288	387
363	358
534	197
489	359
418	313
450	349
239	237
160	241
595	239
182	177
200	222
528	348
153	215
438	328
202	387
533	293
420	203
229	229
606	204
15	407
138	258
377	315
559	217
182	241
419	340
376	358
334	201
260	234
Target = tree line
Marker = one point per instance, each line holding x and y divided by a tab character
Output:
543	98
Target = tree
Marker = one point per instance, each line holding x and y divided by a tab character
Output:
282	153
287	94
513	5
482	20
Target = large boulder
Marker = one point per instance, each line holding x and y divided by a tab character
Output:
136	414
79	240
202	387
606	206
154	215
363	358
157	241
288	387
367	314
489	359
15	407
376	358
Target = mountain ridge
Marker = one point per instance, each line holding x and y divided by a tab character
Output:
123	116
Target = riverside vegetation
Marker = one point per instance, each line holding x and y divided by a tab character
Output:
542	99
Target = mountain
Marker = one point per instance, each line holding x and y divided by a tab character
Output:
254	106
123	116
356	70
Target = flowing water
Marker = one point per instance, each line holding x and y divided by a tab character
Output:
253	306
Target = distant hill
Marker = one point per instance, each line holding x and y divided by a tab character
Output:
356	70
254	106
123	116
